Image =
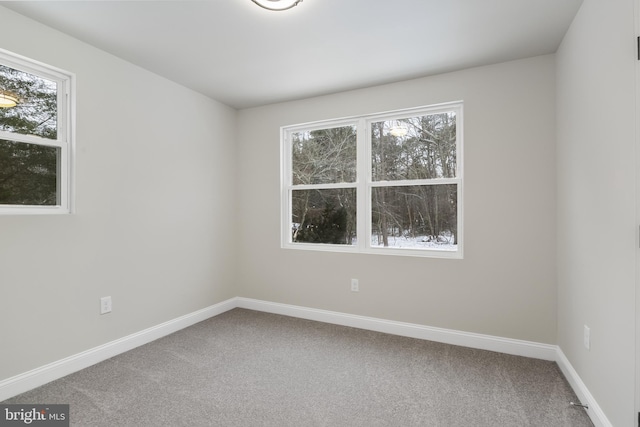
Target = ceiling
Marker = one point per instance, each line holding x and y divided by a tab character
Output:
244	56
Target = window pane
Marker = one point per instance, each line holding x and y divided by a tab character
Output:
28	174
324	156
421	147
324	216
36	112
417	217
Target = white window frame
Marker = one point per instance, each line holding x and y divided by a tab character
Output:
65	139
364	184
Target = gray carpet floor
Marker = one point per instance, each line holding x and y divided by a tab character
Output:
247	368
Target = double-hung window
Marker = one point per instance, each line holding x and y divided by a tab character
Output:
385	183
36	140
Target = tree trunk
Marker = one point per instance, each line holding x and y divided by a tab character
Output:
383	190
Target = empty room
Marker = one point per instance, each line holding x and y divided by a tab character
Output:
319	212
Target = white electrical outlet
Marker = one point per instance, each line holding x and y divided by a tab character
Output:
105	305
587	337
354	285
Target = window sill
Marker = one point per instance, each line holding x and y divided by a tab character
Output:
421	253
33	210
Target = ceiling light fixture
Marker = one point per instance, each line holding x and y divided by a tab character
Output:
276	4
399	130
7	99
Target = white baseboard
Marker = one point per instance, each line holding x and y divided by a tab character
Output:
42	375
596	414
447	336
53	371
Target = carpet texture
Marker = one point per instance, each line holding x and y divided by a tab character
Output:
247	368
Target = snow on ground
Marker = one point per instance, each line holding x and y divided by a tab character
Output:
418	242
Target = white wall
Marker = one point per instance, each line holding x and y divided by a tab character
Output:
505	285
596	202
154	208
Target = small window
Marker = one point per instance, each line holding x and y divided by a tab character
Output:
387	183
36	145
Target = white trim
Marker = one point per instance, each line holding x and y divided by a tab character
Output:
412	330
53	371
636	83
596	414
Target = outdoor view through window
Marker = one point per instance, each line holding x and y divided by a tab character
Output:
409	182
28	167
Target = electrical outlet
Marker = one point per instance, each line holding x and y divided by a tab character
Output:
354	285
105	305
587	337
